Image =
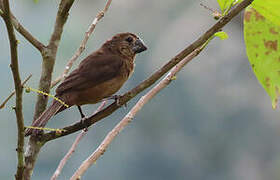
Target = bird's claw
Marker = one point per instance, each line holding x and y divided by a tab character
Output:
83	122
116	98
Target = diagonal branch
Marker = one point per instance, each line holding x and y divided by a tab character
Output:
26	34
128	118
18	88
14	92
79	51
73	147
153	78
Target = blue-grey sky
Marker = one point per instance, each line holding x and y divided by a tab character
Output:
213	122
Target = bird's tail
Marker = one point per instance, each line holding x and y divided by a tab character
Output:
42	120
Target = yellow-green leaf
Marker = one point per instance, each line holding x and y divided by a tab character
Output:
224	4
262	39
222	35
270	9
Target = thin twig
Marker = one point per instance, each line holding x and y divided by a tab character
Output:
68	154
152	79
73	147
79	51
128	118
13	93
18	88
215	13
208	8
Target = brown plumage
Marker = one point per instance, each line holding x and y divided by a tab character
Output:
98	76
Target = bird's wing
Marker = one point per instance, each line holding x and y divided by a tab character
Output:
93	70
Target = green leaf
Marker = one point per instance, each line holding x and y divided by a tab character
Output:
262	45
269	9
222	35
35	1
225	4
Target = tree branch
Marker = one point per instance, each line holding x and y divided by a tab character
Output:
73	147
49	55
13	93
79	51
18	88
128	118
27	35
152	79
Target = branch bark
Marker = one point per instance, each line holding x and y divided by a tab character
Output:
18	88
152	79
128	118
49	55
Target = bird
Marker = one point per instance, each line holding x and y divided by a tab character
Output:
100	75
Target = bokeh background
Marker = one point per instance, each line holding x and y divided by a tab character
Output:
214	122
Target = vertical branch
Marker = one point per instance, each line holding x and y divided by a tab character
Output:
18	88
49	55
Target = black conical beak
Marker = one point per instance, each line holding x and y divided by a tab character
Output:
139	46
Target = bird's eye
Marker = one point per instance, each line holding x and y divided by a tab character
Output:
129	39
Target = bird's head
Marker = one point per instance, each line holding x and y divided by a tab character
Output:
127	44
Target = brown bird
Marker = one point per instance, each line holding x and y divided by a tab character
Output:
98	76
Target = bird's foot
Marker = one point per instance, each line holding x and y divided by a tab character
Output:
83	119
116	98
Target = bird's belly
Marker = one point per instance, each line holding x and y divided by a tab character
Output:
97	93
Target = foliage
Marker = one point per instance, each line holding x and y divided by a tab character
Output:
222	35
261	33
262	43
269	9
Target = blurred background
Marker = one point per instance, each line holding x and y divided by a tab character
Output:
213	122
